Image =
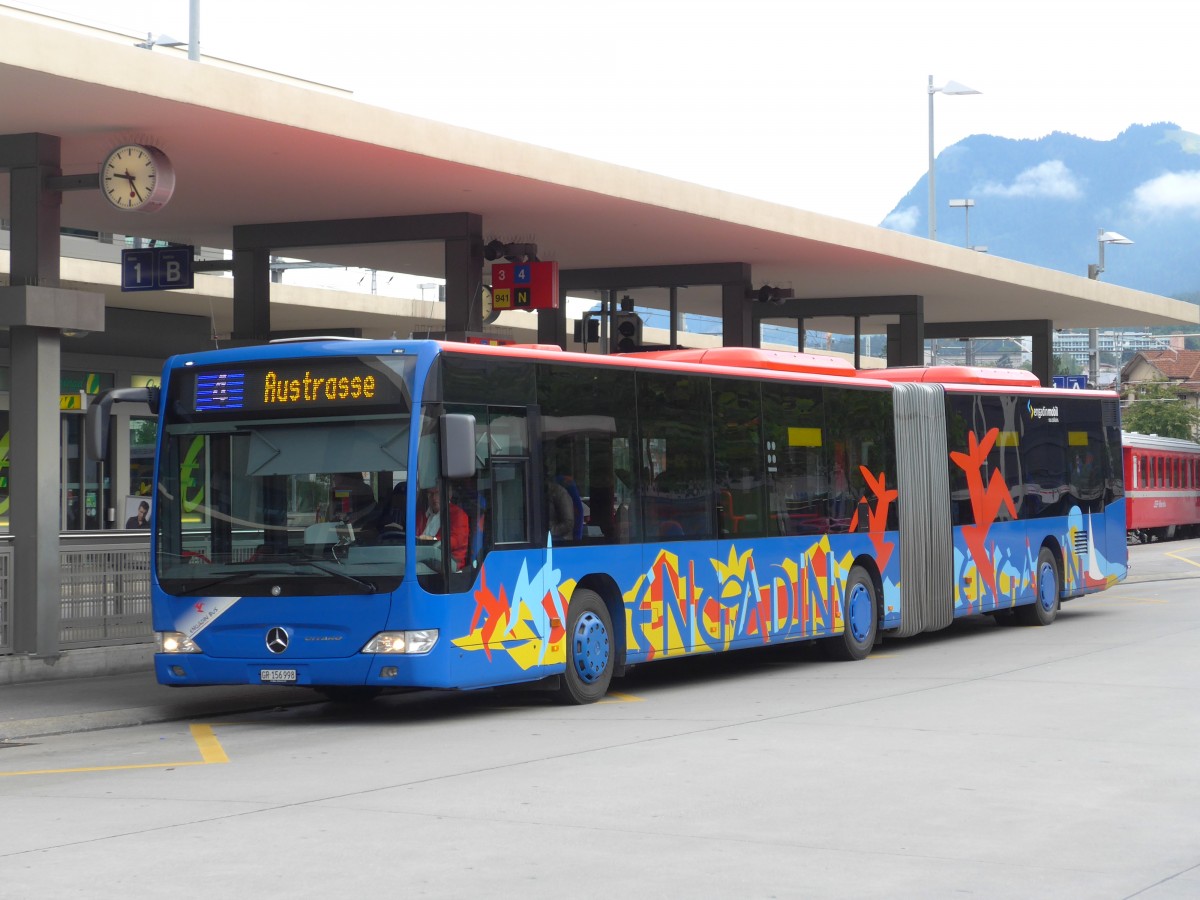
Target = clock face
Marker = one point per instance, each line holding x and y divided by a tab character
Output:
490	313
137	177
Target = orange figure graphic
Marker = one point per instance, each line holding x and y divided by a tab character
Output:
985	502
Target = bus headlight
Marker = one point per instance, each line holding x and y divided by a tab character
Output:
175	642
402	641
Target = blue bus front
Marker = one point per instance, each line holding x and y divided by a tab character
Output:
280	554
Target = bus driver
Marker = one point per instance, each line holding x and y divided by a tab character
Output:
429	526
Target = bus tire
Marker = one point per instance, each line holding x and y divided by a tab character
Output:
860	616
591	649
1044	608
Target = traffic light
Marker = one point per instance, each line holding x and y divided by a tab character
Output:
626	332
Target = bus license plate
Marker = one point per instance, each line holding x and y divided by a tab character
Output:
278	675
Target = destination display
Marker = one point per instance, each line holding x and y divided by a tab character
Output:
297	385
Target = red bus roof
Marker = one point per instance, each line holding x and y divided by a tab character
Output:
1017	378
755	358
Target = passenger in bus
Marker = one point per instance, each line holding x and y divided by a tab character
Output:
560	510
429	526
352	499
391	521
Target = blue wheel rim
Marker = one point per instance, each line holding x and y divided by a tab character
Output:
1047	586
859	612
591	647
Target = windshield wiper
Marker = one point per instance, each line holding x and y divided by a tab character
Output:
204	586
337	571
276	572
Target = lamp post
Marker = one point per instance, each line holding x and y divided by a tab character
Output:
954	89
163	40
1094	269
966	208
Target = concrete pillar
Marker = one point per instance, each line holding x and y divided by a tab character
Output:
35	310
251	293
738	326
464	280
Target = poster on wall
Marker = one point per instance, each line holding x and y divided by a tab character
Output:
137	512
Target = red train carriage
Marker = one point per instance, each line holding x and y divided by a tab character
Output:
1162	487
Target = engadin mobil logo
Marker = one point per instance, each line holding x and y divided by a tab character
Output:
203	613
1049	413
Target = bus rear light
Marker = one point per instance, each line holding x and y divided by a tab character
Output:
402	641
175	642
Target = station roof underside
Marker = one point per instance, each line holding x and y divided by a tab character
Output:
250	147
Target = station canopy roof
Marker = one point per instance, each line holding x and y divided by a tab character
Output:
252	147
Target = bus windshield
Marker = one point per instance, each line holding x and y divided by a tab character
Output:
284	498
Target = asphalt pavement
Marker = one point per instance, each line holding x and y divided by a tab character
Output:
66	705
78	696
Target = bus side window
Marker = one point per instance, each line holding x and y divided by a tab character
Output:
677	456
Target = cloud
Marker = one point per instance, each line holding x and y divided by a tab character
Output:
1175	192
903	219
1048	179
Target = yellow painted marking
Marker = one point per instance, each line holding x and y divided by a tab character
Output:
210	752
1174	555
617	697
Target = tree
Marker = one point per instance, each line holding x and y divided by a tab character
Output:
1157	407
1065	364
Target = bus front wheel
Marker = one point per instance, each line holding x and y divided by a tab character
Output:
860	618
1044	607
590	649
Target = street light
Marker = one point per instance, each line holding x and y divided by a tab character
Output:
1105	237
954	89
966	208
163	40
1094	269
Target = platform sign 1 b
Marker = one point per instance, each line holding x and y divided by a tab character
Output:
157	269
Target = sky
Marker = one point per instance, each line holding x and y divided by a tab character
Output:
819	106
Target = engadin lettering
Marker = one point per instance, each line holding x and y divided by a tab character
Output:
317	388
1043	412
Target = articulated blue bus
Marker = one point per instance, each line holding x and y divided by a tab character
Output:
363	515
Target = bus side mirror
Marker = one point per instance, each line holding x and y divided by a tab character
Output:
458	445
96	428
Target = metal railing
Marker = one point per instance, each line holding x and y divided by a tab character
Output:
105	590
6	592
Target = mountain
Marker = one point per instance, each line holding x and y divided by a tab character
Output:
1042	202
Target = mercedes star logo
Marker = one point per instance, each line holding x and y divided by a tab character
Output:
277	640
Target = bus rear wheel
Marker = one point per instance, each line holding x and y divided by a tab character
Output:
1044	608
860	616
590	650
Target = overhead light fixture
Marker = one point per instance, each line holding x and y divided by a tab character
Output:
495	250
776	296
